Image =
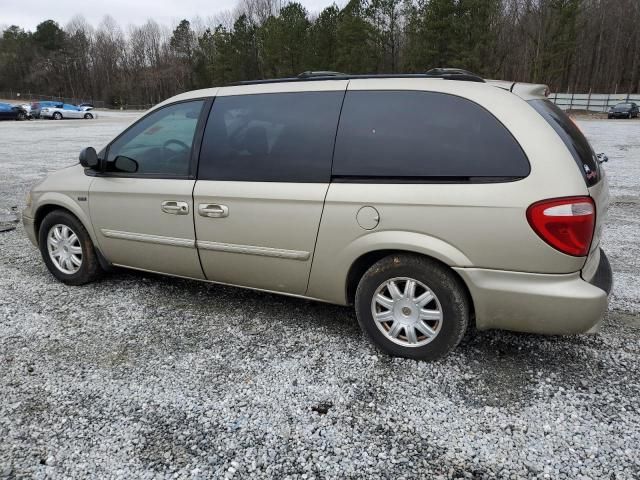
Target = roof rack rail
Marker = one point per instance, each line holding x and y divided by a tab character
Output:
454	74
320	73
444	73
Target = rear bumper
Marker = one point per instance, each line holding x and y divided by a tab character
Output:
538	303
603	277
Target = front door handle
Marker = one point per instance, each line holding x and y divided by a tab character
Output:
175	208
213	210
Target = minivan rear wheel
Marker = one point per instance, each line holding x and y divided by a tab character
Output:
412	306
67	249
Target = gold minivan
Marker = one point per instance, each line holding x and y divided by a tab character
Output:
426	201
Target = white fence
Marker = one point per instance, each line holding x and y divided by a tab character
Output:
594	102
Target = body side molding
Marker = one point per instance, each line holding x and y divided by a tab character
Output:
143	237
253	250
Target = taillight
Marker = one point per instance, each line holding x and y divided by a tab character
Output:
566	224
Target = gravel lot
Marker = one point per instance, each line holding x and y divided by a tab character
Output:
144	376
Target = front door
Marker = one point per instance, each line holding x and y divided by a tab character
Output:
142	206
265	166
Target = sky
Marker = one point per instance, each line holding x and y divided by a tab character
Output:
28	13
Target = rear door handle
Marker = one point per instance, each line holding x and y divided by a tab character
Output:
175	208
213	210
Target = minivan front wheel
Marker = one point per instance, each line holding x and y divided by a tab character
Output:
67	249
412	306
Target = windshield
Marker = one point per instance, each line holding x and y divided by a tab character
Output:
623	106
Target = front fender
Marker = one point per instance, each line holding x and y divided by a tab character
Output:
69	202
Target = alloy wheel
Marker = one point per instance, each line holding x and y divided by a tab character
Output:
407	312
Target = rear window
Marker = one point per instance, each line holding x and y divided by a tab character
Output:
572	137
273	137
413	135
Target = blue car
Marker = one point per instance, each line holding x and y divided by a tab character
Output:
12	112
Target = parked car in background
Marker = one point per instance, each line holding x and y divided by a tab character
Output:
86	106
13	112
36	107
624	110
349	190
65	110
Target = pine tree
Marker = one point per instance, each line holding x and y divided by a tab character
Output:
324	39
356	51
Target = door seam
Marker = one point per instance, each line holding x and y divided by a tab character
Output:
193	220
326	193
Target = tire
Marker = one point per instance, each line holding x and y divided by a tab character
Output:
88	116
21	116
431	278
609	116
68	272
57	116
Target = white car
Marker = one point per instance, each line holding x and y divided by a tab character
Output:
65	110
27	108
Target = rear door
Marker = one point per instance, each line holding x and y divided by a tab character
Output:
264	170
144	218
71	111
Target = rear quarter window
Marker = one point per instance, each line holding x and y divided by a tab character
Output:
572	137
412	135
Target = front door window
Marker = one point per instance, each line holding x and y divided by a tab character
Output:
160	144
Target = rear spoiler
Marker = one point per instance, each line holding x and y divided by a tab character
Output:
527	91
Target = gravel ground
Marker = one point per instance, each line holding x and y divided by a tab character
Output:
150	377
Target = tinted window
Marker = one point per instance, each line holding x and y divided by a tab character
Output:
572	137
161	142
277	137
400	134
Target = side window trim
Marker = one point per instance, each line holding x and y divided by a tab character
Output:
198	137
197	140
202	127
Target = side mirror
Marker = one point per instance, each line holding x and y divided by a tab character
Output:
89	158
125	164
